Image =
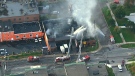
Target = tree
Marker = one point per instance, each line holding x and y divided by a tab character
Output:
111	21
113	6
120	12
117	29
131	26
129	3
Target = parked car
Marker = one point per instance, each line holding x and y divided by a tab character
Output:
3	52
62	58
112	39
120	68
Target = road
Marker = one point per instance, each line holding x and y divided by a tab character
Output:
102	55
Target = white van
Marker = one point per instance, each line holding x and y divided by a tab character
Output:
120	68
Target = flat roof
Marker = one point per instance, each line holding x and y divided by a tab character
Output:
77	70
59	28
6	26
26	27
28	7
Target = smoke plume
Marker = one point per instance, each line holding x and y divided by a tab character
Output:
82	11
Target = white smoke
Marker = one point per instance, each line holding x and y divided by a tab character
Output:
48	32
82	11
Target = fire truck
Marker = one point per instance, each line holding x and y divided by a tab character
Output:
62	58
33	59
86	58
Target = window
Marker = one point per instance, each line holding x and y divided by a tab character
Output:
30	35
17	36
34	18
8	19
19	18
14	19
27	17
24	36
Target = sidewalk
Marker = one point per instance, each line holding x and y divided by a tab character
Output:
116	24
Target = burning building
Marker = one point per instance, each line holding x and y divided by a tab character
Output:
59	31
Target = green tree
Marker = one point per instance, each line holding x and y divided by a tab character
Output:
113	6
131	26
111	21
117	29
108	13
120	12
129	3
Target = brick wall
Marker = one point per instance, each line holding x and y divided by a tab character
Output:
19	19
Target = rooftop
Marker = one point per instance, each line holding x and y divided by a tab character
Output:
19	8
6	26
26	27
59	28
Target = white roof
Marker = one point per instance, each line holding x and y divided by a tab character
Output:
131	17
65	45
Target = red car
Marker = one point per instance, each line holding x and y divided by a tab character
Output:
86	58
33	59
116	1
62	58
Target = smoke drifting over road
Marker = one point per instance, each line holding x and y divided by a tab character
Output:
82	11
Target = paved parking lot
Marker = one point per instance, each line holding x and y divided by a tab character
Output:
76	70
22	46
101	68
124	73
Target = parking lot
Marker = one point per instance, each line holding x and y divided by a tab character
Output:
97	70
76	70
22	46
123	73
